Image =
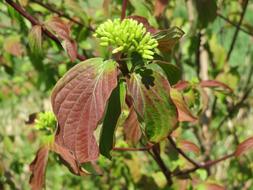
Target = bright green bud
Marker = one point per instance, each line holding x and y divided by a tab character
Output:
118	49
127	36
45	121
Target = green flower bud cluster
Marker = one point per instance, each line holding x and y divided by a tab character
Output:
46	121
127	36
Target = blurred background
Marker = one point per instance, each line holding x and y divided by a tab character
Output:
217	45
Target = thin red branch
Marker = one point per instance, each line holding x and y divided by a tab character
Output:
182	152
124	7
205	165
34	21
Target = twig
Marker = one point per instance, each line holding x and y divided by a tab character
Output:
34	21
205	165
50	8
234	109
245	4
156	155
182	153
124	7
234	24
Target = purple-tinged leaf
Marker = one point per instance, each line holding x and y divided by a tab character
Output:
79	100
38	169
244	147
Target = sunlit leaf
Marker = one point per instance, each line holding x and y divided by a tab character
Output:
79	100
244	147
150	93
35	39
38	169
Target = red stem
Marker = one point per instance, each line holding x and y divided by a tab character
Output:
124	7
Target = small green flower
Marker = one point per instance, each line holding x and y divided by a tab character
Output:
46	121
127	36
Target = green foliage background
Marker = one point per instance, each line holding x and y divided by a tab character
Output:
26	80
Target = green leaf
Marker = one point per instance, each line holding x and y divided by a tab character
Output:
167	39
150	93
35	39
113	112
79	101
173	73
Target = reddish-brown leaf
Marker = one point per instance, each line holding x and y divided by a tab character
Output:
58	26
69	160
160	6
215	83
38	169
79	100
184	114
188	146
244	146
214	186
13	46
145	23
132	128
181	85
167	39
70	47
